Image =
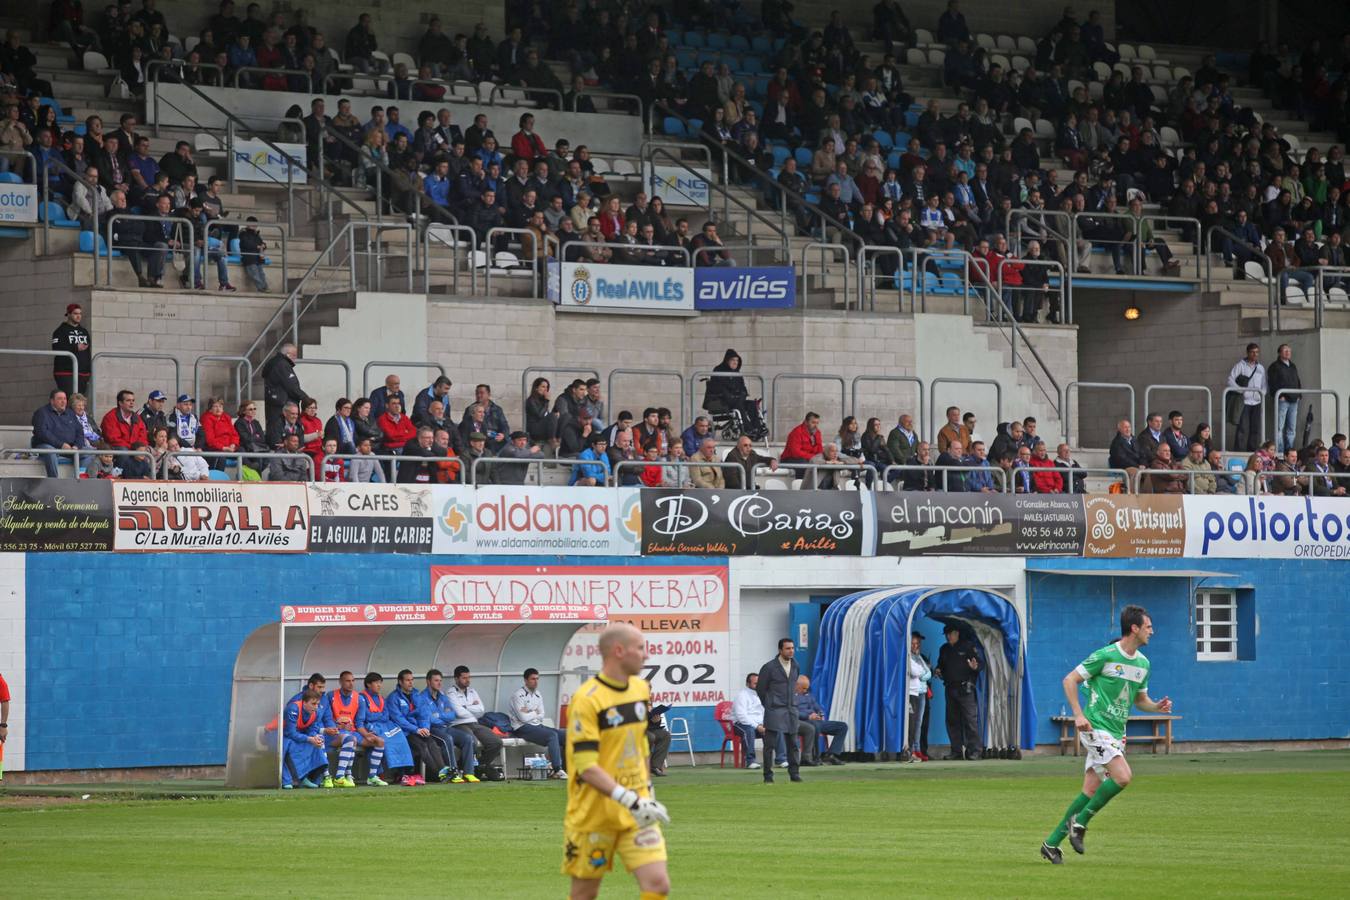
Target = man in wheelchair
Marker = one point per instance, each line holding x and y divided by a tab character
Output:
727	402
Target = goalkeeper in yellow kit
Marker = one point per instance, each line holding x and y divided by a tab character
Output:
610	807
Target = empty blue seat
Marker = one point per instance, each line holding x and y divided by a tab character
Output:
55	213
10	178
893	159
780	155
217	475
716	41
694	39
803	155
752	64
738	42
686	59
732	60
911	118
695	126
87	245
757	107
883	139
672	126
760	44
902	139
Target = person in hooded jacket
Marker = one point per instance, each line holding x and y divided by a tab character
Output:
726	392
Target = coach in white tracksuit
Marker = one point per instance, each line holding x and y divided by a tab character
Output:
918	677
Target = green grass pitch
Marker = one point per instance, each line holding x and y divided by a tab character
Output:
1210	825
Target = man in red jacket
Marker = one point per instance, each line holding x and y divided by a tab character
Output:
804	441
525	144
121	427
1046	482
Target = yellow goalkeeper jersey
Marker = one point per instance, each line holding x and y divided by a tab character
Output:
607	726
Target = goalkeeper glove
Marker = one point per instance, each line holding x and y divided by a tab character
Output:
645	810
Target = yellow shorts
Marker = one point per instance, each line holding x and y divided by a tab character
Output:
590	854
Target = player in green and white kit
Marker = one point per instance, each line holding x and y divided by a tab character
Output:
1117	678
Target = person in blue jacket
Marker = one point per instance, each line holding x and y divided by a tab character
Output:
316	683
411	715
592	468
373	718
302	750
458	743
341	709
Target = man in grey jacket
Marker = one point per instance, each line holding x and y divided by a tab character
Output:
291	468
518	448
777	689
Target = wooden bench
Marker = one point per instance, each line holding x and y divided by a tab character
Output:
1161	724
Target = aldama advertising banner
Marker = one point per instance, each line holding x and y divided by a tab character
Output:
575	521
682	610
257	517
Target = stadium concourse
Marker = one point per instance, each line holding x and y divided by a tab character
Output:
362	365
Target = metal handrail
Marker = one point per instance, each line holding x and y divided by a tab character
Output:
822	246
749	249
645	158
708	373
1004	482
1190	474
1319	309
153	69
445	236
1070	473
241	455
44	177
609	385
1013	230
596	92
903	379
1209	396
189	249
632	248
539	463
800	376
867	287
221	225
1066	407
346	371
1052	394
393	459
1223	413
1299	392
998	393
308	76
74	361
546	370
1163	219
918	285
1262	477
1272	283
1065	304
108	354
860	471
238	384
526	91
75	453
400	363
532	262
680	465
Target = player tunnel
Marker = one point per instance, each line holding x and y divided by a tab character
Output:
276	659
861	662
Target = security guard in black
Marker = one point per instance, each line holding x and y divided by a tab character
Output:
958	665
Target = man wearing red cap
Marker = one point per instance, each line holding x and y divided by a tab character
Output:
72	337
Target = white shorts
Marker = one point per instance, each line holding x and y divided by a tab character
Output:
1101	747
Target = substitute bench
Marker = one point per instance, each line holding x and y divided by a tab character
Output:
1161	724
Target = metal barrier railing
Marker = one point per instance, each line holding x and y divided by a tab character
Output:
1071	475
1209	396
539	465
264	70
1263	478
648	160
1001	480
139	357
1022	225
681	465
823	247
800	376
748	261
1340	280
1065	297
1223	413
527	238
751	213
660	373
897	379
224	226
75	454
708	373
392	458
629	248
240	456
1066	407
239	384
188	248
860	473
1272	284
152	75
526	96
346	371
1189	475
867	286
575	372
613	95
396	363
45	168
445	237
54	354
998	393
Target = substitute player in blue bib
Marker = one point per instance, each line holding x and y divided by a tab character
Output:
610	808
374	718
341	709
303	757
1117	678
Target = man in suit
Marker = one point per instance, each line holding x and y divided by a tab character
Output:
901	444
777	691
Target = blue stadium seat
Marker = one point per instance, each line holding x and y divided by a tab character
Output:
10	178
757	107
217	475
732	60
672	126
760	44
752	64
902	139
234	257
780	155
893	159
738	42
762	86
883	139
55	213
912	118
87	245
716	41
695	126
803	155
694	39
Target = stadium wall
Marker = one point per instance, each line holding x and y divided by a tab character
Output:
126	660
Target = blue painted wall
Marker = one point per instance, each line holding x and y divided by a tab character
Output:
1292	684
130	657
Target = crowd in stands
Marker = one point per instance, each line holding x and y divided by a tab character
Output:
442	731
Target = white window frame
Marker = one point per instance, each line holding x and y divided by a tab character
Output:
1207	600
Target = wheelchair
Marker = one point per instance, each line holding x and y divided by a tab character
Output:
730	424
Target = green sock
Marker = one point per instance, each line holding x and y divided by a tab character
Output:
1057	836
1103	796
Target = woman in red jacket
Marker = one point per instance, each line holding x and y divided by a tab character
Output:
525	144
312	427
398	429
611	219
218	431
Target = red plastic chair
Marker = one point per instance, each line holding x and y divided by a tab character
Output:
729	735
